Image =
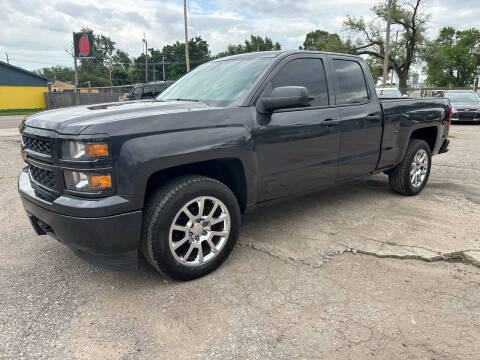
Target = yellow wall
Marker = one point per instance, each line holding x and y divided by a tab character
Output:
22	97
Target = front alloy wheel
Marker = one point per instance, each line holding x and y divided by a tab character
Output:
190	226
199	231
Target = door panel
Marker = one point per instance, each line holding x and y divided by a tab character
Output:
361	134
361	120
297	151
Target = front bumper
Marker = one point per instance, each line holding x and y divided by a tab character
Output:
107	241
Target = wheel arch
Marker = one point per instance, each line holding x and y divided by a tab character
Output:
429	134
229	171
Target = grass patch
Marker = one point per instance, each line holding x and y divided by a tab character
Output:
10	112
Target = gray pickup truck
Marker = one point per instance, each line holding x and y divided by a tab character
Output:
170	177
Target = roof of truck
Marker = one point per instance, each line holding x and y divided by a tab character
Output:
278	53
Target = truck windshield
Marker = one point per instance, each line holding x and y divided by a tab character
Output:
217	81
462	96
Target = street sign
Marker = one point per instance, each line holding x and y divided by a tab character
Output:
83	45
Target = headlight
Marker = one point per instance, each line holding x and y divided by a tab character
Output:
87	182
73	150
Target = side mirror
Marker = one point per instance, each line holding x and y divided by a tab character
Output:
285	97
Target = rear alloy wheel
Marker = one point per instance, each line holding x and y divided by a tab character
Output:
419	168
411	175
190	226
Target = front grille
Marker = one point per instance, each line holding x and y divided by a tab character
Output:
470	115
43	177
38	145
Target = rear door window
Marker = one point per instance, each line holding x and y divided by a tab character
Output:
351	85
308	73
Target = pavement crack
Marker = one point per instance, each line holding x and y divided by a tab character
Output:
456	256
280	258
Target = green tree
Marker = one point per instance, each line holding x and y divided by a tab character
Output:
408	21
453	58
376	68
58	72
320	40
255	43
95	81
324	41
175	60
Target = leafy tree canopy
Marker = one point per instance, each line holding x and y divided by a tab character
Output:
408	26
255	43
324	41
58	72
453	58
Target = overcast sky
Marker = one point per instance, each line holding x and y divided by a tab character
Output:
35	33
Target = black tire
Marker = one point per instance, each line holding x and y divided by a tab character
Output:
161	210
399	178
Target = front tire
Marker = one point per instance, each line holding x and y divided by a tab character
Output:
190	227
411	175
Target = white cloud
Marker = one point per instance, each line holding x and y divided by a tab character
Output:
35	33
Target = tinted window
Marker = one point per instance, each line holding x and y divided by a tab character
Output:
351	82
304	72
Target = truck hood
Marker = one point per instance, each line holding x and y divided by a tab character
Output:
465	104
74	120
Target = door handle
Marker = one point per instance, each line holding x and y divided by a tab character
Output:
331	122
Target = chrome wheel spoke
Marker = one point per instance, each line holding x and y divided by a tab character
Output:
219	219
179	243
212	212
212	245
201	206
189	214
219	233
188	253
200	255
180	228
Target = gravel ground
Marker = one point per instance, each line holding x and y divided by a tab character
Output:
356	272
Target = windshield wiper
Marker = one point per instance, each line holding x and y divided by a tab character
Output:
183	99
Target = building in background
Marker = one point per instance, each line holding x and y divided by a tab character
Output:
61	86
21	89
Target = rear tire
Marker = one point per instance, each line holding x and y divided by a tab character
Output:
411	175
190	226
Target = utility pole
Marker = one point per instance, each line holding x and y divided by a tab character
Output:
393	70
76	80
163	67
146	57
187	55
387	43
8	62
76	99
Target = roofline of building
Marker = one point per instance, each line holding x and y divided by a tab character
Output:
25	71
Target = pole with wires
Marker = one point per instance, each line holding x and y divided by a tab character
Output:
187	55
387	42
146	57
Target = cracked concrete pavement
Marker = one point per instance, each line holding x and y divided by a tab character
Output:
354	272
